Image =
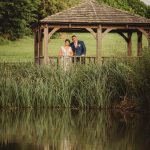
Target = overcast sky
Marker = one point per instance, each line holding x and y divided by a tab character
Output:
146	1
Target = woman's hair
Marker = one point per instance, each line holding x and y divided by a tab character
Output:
67	40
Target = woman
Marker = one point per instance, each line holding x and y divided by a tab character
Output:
65	53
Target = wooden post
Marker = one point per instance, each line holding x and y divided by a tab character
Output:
99	44
45	49
35	47
129	43
149	40
40	46
139	44
147	35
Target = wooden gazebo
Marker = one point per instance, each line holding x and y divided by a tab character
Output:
98	19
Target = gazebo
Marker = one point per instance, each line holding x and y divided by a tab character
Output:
98	19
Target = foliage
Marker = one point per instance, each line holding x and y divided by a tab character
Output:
16	17
133	6
49	7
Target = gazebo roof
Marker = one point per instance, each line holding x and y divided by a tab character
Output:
91	12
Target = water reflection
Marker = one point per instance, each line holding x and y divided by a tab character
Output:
73	130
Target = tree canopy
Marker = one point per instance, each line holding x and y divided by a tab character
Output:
16	17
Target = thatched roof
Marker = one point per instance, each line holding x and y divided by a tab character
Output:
91	12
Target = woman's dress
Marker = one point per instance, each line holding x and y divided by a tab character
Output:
65	57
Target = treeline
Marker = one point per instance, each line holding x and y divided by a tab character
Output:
133	6
17	16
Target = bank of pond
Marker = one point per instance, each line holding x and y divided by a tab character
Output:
117	83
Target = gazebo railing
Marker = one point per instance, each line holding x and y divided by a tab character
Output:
56	61
53	60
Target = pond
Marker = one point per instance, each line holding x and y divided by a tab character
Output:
73	130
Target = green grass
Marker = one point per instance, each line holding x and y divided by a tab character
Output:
23	50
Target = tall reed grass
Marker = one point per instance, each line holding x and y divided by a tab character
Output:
83	86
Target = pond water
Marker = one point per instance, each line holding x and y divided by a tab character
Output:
74	130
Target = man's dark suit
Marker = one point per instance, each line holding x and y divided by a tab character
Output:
80	49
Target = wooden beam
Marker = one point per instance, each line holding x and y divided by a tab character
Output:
35	47
41	42
128	39
99	45
144	32
52	32
92	32
107	31
129	43
123	35
72	26
39	45
45	50
139	43
147	35
149	40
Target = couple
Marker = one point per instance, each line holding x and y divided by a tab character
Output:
76	48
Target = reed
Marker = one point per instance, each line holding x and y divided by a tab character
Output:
25	85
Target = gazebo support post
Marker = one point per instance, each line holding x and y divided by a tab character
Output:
129	43
40	45
147	35
36	49
128	39
149	40
139	43
45	48
99	44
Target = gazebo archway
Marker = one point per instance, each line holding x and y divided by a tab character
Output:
98	23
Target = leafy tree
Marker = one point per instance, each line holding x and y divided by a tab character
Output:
49	7
133	6
138	7
15	18
148	12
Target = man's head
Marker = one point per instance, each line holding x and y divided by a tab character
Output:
74	38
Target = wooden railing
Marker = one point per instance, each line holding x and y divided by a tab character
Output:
89	59
56	61
74	59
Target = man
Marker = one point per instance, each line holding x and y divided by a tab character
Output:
78	47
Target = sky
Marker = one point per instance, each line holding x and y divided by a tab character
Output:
146	2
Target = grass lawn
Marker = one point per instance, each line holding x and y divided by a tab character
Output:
23	50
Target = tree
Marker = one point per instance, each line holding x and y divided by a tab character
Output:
49	7
133	6
138	7
148	12
16	17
